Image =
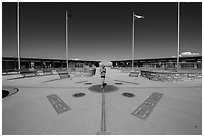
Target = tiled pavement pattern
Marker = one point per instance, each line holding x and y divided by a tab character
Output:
144	110
58	104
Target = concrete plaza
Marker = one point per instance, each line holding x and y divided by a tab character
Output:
179	111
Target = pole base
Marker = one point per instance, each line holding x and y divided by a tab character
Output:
103	133
103	85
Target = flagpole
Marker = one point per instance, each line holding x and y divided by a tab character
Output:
133	41
67	39
18	37
178	44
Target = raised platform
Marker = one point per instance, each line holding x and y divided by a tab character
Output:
57	107
171	76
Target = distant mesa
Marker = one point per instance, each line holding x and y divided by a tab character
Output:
75	59
188	54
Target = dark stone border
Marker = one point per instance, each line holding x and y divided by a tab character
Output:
80	82
126	82
80	94
127	94
106	88
6	92
87	83
118	83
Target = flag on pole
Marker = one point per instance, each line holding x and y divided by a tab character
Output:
138	16
69	16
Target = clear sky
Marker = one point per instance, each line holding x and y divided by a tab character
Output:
101	31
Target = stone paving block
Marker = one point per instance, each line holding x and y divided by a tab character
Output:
144	110
58	104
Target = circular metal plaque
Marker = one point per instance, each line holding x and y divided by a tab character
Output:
126	94
78	95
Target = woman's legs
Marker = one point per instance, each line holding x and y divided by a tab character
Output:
103	81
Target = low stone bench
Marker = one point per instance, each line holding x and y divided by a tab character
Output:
199	77
176	78
168	78
39	73
134	74
28	73
54	72
47	72
192	76
10	72
63	74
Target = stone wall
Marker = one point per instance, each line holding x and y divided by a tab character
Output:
170	76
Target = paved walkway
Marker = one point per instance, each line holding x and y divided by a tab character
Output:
29	111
